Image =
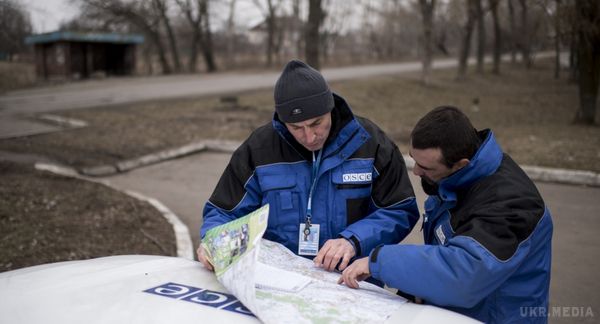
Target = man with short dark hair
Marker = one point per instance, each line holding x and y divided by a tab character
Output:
337	186
486	229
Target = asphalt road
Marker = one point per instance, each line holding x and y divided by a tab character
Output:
185	184
123	90
15	106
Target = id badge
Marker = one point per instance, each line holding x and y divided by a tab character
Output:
308	245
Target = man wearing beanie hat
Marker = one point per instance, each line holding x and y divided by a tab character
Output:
336	184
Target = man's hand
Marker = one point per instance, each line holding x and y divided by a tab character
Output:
332	252
202	257
357	271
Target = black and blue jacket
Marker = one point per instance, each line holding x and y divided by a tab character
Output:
488	244
362	193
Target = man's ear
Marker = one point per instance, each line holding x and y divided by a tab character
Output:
460	164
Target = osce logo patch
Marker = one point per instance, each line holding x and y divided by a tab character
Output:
200	296
357	177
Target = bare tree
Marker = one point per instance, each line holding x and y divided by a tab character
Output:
513	32
480	35
525	33
142	15
332	27
568	23
297	25
14	26
448	26
196	14
557	36
588	57
569	19
230	32
160	7
392	29
312	40
551	9
270	15
207	41
465	47
497	36
427	9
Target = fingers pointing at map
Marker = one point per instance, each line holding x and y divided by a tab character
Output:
357	271
334	251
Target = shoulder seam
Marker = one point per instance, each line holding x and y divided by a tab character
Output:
518	246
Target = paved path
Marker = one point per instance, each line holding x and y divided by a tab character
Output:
123	90
185	184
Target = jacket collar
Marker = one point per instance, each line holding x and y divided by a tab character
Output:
485	162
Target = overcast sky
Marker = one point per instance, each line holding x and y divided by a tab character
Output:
46	15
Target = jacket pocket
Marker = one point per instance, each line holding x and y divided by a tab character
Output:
352	186
277	182
282	194
352	191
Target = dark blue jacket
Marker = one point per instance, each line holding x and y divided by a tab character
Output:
363	191
488	244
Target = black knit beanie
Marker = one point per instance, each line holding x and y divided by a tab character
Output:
301	93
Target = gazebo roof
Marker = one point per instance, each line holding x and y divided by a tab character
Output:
56	36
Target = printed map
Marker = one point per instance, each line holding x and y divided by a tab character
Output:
322	300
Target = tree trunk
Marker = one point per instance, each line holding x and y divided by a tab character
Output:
270	20
465	47
166	68
573	75
207	44
497	36
187	10
270	38
148	60
513	32
557	33
193	62
588	57
480	36
297	28
230	31
525	41
427	8
278	43
201	34
315	16
161	7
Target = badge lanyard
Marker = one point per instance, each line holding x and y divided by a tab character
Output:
315	172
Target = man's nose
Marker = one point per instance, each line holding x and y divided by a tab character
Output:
309	135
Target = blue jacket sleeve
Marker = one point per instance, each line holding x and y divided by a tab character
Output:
393	208
237	193
460	274
385	225
214	216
